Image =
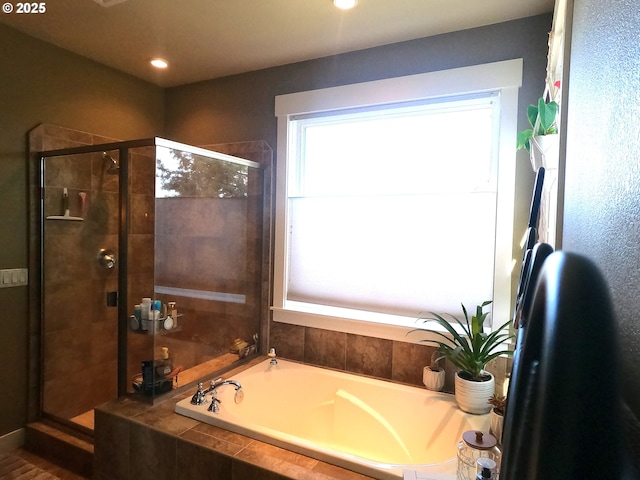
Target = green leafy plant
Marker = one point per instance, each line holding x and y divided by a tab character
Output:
471	350
542	118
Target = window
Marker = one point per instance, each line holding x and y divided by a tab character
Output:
396	197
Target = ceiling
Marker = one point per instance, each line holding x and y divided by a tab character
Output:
205	39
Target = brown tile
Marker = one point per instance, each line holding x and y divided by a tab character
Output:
111	457
152	454
369	355
72	171
213	443
222	434
141	251
164	418
199	462
288	340
70	135
102	212
277	460
408	361
142	171
125	407
325	347
142	214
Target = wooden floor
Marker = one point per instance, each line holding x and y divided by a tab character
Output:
23	465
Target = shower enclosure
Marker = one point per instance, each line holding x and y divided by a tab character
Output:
186	229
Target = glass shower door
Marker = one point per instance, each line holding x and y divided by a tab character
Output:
80	268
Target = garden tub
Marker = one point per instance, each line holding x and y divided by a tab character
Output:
371	426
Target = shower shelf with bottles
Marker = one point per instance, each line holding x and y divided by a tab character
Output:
65	207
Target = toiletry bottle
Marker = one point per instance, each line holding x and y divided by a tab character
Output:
486	469
172	311
167	361
145	310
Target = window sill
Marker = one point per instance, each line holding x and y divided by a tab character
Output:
358	322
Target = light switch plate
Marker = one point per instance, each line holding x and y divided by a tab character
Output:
14	277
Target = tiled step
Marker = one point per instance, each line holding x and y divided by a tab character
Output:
62	448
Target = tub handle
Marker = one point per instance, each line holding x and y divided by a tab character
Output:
214	403
198	397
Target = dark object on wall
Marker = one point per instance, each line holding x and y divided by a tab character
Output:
112	299
563	410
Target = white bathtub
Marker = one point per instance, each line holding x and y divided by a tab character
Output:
370	426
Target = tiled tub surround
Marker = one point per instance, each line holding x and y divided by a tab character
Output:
370	426
135	440
138	441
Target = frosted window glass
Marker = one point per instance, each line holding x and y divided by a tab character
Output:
395	213
395	254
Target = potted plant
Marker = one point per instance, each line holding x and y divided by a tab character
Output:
469	348
433	376
541	140
498	403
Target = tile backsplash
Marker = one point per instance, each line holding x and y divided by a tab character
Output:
377	357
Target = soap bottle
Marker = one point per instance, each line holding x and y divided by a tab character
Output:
167	361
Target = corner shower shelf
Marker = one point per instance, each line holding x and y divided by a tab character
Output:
65	217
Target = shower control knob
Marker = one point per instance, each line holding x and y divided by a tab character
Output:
107	258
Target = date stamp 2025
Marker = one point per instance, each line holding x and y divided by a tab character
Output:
24	7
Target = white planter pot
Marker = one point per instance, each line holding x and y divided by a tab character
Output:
433	379
544	151
473	397
496	425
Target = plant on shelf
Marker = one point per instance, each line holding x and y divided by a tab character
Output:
542	118
498	403
466	345
471	350
433	376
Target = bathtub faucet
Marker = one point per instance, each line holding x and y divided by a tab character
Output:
239	395
199	397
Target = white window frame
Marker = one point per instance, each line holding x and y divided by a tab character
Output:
503	78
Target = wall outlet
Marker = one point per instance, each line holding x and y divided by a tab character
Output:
14	277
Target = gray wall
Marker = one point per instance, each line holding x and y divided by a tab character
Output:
40	83
602	193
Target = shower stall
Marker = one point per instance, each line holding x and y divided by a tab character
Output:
154	268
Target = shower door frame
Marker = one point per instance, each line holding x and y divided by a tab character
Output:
123	148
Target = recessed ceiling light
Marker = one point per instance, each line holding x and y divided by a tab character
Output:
159	62
345	4
108	3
